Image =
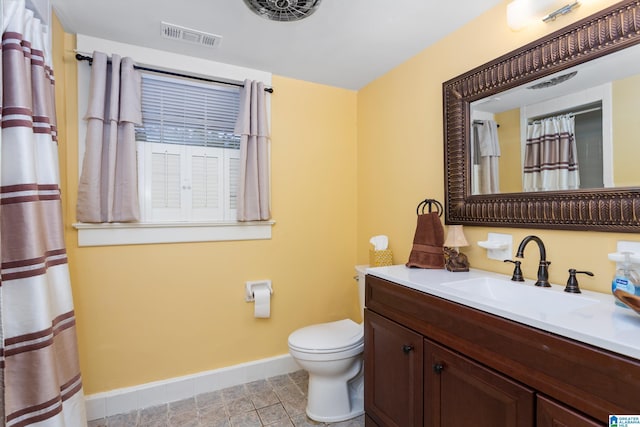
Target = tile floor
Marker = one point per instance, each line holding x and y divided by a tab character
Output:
275	402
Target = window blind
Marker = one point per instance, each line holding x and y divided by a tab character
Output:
188	113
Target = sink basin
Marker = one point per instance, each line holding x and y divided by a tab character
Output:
525	298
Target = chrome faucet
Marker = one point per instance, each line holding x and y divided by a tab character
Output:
543	268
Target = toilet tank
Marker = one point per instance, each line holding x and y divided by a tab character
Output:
361	272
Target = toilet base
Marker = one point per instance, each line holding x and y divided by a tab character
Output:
347	398
353	414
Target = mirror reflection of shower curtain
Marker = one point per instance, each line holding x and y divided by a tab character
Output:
486	153
551	160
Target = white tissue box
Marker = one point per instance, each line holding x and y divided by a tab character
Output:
380	258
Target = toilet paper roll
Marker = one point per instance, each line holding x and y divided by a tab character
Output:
262	302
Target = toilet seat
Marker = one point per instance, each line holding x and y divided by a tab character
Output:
328	338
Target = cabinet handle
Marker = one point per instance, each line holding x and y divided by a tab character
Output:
407	348
438	368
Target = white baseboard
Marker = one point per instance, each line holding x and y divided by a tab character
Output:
123	400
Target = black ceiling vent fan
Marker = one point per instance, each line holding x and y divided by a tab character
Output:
283	10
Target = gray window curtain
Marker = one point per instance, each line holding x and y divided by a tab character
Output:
108	187
252	126
486	171
40	380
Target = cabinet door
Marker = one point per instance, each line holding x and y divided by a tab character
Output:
460	392
553	414
393	373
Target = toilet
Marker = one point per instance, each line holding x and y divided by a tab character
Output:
332	354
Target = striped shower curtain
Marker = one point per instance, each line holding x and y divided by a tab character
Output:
551	157
39	371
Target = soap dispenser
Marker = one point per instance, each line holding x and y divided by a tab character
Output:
626	278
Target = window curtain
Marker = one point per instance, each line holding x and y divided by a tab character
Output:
252	126
108	187
39	370
486	170
551	159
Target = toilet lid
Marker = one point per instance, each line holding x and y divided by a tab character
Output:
328	337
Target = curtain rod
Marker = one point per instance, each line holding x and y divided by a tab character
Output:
80	57
588	110
481	123
570	114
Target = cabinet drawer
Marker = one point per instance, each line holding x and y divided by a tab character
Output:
553	414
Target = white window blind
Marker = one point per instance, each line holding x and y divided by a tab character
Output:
188	152
177	111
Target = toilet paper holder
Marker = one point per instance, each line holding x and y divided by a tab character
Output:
249	287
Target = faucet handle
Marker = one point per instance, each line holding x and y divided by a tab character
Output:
572	282
517	271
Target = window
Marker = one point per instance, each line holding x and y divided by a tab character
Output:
188	164
188	153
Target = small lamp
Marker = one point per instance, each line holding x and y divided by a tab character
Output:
454	259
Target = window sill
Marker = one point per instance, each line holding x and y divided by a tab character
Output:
170	232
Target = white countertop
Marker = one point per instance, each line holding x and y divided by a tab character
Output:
600	323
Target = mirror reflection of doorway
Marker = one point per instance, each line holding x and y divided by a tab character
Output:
589	145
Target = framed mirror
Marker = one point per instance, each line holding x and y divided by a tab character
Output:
556	62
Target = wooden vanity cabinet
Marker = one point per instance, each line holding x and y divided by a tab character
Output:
412	381
433	362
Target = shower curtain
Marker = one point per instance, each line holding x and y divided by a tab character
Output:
551	158
39	371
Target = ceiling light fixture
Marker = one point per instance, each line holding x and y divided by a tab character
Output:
562	11
521	13
553	81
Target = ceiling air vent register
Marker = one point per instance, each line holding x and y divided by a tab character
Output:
176	32
283	10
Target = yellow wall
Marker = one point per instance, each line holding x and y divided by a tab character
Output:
151	312
510	151
400	151
345	166
62	92
626	128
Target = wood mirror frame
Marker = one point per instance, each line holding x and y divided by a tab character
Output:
613	209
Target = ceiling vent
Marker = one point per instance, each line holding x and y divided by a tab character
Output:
176	32
283	10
